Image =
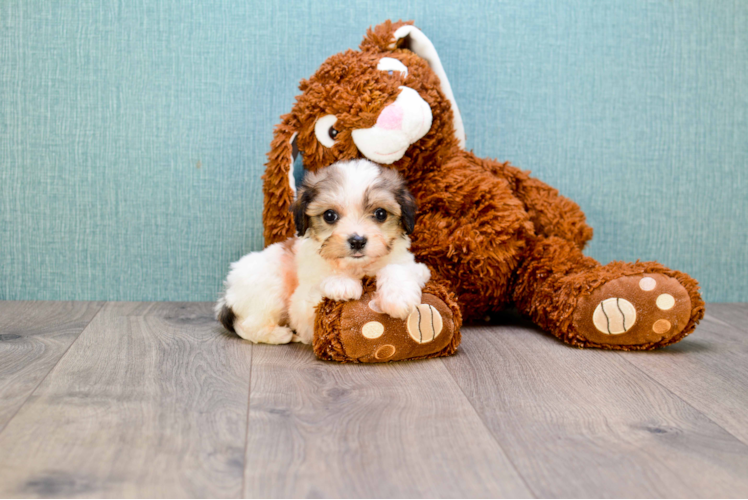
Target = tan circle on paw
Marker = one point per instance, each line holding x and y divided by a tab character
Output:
665	301
647	284
372	330
661	326
424	323
614	316
384	352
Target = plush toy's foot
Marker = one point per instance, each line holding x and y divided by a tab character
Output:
636	312
354	331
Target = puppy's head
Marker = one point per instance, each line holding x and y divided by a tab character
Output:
355	211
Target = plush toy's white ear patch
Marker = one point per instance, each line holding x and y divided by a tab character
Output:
390	65
422	46
294	154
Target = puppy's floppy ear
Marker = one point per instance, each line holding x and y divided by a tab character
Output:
300	218
279	186
408	208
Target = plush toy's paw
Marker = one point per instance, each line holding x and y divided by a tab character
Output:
358	331
634	310
341	288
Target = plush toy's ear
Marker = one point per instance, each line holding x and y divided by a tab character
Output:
279	186
413	39
380	38
408	208
389	36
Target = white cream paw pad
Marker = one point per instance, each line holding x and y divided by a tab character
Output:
647	284
372	330
614	316
424	323
665	302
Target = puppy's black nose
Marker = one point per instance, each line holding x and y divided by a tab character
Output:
357	242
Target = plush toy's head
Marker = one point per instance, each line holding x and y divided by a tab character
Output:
389	102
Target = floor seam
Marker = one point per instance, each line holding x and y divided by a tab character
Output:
36	387
246	425
490	432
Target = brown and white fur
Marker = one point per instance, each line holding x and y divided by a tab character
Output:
352	220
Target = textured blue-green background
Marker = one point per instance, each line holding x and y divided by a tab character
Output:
133	133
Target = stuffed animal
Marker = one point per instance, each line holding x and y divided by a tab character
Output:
492	235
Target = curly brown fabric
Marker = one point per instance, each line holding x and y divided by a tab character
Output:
497	236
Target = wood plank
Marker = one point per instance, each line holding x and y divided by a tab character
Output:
735	315
33	337
319	429
151	401
586	423
709	368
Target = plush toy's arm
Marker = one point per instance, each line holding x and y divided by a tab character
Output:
551	213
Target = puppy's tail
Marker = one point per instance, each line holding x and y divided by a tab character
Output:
225	315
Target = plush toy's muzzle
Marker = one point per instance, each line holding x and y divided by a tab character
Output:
398	126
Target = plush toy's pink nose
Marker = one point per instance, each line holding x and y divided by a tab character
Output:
391	117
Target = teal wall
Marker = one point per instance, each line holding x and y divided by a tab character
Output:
133	133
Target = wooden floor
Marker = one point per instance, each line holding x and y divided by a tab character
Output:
155	400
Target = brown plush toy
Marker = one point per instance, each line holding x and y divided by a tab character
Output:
492	235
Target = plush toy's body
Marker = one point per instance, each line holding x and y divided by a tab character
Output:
492	235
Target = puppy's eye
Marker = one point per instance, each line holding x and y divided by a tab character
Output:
380	214
330	216
325	131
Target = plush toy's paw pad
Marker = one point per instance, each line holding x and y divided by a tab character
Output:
369	335
634	310
424	323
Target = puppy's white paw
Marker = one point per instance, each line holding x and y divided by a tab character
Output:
279	335
304	336
341	288
422	273
269	335
399	302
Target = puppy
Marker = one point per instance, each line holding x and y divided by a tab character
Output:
352	220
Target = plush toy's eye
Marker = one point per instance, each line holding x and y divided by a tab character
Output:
390	65
324	130
330	216
380	214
